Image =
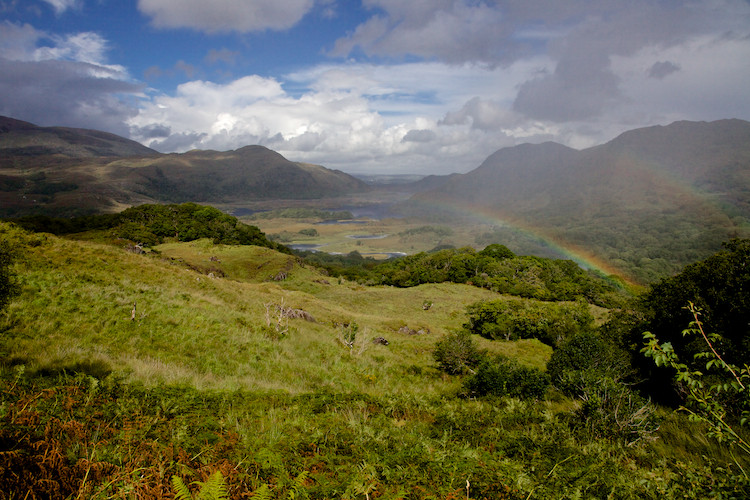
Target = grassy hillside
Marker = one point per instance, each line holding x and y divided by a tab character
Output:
120	370
73	282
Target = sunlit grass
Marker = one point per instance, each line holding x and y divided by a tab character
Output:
78	298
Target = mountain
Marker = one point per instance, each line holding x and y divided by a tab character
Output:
64	171
19	138
648	202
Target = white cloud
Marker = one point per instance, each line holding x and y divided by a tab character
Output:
226	15
349	116
61	6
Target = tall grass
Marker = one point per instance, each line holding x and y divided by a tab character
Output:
77	301
101	403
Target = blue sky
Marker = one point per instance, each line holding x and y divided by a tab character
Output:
424	86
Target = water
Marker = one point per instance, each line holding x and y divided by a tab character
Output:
367	236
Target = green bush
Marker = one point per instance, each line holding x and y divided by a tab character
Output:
583	360
457	353
719	287
551	323
612	410
503	377
589	369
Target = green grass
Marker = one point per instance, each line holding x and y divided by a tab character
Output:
96	405
77	298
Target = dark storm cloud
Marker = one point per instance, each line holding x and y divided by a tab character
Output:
153	131
68	93
662	68
578	89
419	136
578	38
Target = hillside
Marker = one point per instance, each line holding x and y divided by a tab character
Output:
647	203
23	139
122	369
62	171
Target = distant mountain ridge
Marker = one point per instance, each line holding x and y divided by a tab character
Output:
638	201
65	171
19	138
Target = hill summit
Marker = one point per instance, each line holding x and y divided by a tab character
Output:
66	171
638	201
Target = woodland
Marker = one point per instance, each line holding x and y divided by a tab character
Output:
173	351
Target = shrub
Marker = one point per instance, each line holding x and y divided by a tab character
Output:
457	353
582	361
614	411
720	287
503	377
705	392
550	323
587	368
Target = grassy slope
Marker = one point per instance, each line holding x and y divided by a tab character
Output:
209	332
381	422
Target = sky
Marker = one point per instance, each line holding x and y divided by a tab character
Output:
373	86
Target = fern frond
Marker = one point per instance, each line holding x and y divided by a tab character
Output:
263	493
215	488
298	486
181	491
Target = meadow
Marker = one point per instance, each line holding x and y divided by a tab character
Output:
121	370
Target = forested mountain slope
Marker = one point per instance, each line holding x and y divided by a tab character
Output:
648	202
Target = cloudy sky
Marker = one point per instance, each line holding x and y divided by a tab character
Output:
373	86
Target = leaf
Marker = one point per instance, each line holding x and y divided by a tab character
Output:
181	490
215	488
263	493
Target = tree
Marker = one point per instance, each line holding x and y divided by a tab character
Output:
706	399
719	286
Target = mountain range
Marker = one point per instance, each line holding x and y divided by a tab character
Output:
64	171
647	202
644	204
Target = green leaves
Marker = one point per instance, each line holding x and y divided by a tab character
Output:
551	323
703	401
214	488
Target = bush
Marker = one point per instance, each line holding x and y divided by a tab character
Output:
591	370
503	377
550	323
720	287
582	361
457	353
612	410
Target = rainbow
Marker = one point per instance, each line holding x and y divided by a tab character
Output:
567	250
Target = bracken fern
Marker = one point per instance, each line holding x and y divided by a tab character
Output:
215	488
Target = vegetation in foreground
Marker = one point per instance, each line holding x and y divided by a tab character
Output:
121	371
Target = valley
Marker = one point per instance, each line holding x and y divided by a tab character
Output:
414	338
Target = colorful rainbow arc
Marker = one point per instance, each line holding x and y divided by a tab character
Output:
569	251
